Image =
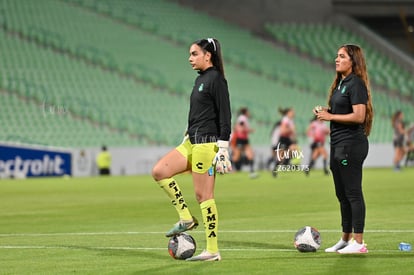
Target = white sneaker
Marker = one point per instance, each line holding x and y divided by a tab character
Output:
206	256
339	245
354	248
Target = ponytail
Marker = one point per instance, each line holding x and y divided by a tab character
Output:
212	46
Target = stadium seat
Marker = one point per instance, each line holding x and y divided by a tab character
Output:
119	72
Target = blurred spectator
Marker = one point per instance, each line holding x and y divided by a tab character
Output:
103	161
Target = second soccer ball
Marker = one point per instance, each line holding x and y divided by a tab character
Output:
307	239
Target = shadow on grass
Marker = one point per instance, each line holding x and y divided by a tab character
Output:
252	245
150	262
122	252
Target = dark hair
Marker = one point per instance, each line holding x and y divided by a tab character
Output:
359	68
243	111
212	46
283	112
395	116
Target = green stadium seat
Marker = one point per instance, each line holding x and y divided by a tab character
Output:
120	69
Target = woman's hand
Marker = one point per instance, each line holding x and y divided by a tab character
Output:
322	113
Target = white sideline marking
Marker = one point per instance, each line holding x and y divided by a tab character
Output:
126	248
197	231
158	248
76	247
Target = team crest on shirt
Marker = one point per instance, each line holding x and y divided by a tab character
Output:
343	90
200	88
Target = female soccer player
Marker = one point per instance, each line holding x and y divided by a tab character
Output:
350	114
241	141
287	139
204	150
317	131
398	139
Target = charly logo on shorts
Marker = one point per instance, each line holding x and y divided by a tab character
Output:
199	165
200	88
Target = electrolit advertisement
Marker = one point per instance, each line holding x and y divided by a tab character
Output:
22	162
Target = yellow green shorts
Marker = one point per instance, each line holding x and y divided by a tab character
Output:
199	155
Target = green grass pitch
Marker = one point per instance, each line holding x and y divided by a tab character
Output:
116	225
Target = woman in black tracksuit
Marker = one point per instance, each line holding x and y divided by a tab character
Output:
350	113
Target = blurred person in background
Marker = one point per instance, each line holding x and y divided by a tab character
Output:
410	145
103	161
287	139
350	113
242	151
397	121
204	150
317	131
274	140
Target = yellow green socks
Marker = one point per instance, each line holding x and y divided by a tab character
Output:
210	219
173	191
208	211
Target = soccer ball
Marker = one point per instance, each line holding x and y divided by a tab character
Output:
181	246
307	239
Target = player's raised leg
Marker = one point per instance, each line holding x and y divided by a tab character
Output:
171	164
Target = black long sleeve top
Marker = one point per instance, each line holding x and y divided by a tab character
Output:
210	113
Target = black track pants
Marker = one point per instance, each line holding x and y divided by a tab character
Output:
346	165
